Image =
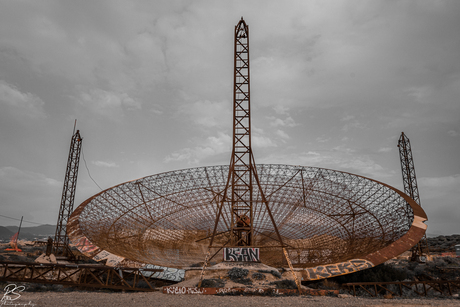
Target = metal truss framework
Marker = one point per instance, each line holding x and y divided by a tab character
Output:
82	275
304	217
410	187
408	168
323	216
61	240
242	175
241	167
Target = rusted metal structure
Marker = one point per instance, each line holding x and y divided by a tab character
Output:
323	222
242	169
82	275
61	240
243	180
420	250
324	217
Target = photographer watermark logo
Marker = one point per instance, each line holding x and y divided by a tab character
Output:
12	295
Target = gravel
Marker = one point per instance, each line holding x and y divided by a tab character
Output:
89	299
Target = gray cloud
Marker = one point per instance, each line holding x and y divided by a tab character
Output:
21	104
333	84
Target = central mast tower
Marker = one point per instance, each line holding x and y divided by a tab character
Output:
239	194
242	180
242	168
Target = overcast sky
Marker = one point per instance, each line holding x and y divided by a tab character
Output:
333	85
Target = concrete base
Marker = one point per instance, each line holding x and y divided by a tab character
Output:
235	264
222	268
220	271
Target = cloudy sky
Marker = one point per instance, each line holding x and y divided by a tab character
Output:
333	85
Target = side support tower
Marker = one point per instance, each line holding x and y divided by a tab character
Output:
411	189
61	240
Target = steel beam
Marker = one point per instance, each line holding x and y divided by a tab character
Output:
82	275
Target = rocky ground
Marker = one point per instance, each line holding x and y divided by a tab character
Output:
89	299
443	243
441	268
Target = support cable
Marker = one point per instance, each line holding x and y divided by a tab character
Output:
87	169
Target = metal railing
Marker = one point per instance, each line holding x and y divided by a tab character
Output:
79	275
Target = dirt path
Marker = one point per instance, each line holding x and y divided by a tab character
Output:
89	299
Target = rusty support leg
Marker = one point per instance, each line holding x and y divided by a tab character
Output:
292	271
204	267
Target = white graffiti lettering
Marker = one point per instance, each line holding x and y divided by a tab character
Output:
241	254
183	290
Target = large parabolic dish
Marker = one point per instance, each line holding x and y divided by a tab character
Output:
324	217
328	222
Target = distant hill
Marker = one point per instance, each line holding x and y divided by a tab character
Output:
5	233
37	230
432	235
30	233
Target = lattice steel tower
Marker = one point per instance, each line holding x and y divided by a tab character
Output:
242	181
241	164
61	240
242	177
411	188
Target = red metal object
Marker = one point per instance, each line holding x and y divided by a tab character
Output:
14	243
14	240
61	240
